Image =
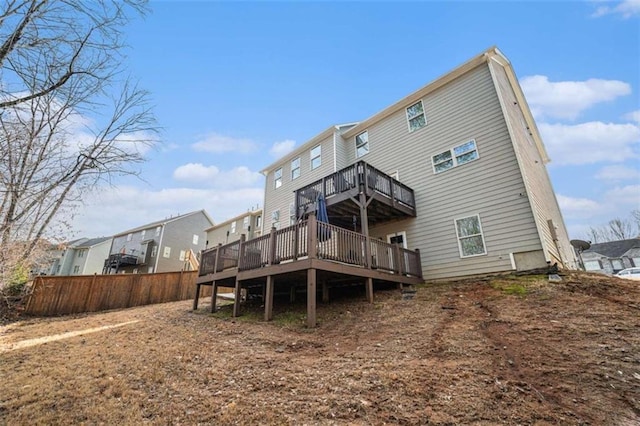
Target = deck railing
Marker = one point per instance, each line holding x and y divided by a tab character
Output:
311	239
356	175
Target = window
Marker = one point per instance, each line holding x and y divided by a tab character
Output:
277	178
233	227
316	157
275	219
80	253
456	156
616	264
245	223
362	144
142	234
167	252
416	117
295	168
129	237
158	231
154	251
182	256
76	269
292	214
150	270
195	239
135	271
258	222
592	265
470	238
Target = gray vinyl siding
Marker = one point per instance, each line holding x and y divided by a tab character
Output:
178	234
281	198
491	186
536	178
94	258
342	157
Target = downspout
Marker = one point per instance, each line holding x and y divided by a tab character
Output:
335	156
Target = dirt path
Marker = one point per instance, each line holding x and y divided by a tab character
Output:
503	351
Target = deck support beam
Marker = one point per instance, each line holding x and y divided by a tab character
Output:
325	291
214	297
268	300
237	298
369	286
195	299
311	298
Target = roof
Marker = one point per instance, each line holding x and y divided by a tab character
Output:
92	242
491	54
164	222
614	249
240	216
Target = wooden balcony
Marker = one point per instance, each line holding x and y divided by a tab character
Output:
310	249
386	198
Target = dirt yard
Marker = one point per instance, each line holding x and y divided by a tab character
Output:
495	351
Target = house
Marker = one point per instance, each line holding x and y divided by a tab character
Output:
456	169
249	224
613	256
163	246
88	256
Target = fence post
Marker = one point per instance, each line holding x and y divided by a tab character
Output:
272	246
312	236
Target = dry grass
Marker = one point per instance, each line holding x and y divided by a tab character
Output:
458	353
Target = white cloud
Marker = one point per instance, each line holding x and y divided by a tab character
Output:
618	173
626	8
211	176
578	207
217	143
115	210
567	99
633	116
282	148
591	142
628	195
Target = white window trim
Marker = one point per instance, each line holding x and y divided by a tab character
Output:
395	234
245	223
277	180
295	168
484	244
454	158
406	114
357	146
313	158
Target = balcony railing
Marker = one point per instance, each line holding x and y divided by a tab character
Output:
311	239
358	175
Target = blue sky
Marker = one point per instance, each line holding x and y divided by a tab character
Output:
237	84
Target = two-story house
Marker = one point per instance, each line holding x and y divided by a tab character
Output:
612	256
249	224
456	169
83	256
162	246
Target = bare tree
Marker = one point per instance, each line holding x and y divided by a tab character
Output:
616	229
69	120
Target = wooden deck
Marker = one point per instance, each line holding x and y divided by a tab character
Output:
311	251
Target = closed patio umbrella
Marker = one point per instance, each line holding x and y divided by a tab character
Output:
324	233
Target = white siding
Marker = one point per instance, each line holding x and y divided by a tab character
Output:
282	197
467	108
536	178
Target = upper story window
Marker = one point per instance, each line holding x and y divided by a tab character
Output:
295	168
456	156
245	223
277	178
233	227
129	237
80	253
416	117
258	222
195	239
470	238
158	231
142	234
362	144
316	157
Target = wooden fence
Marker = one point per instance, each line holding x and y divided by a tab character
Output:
92	293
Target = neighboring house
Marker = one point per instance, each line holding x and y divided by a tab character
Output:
613	256
456	169
83	256
249	224
161	246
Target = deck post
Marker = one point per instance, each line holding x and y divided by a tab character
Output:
268	300
215	263
292	294
312	236
369	285
364	225
272	246
237	298
241	250
311	298
419	263
399	260
195	299
214	296
325	291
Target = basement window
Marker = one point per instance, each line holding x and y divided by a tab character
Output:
470	237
